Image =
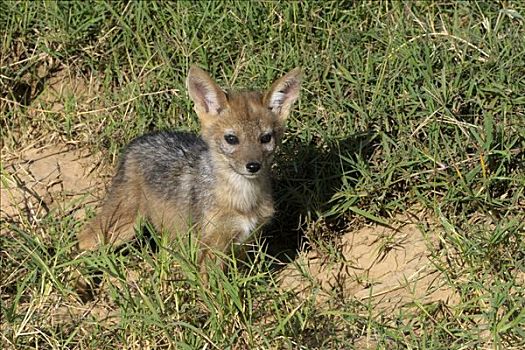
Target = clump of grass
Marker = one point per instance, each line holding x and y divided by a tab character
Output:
419	104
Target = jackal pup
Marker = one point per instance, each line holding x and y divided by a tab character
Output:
216	184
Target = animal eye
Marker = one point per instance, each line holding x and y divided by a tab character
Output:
266	138
231	139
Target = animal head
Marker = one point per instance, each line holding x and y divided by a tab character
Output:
243	129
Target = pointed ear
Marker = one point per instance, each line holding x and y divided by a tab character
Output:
283	93
208	97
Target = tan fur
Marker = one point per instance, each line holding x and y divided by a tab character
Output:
219	188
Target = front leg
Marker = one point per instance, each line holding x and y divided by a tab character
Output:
213	243
217	238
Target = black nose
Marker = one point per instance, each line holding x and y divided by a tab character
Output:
253	167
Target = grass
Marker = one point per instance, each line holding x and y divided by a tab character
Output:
404	105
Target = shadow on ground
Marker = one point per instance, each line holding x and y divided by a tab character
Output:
306	178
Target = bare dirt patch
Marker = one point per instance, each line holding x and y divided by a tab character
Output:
385	268
37	181
41	170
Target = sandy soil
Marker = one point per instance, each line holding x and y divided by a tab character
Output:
384	268
36	181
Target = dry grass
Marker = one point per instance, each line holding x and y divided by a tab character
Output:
404	106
